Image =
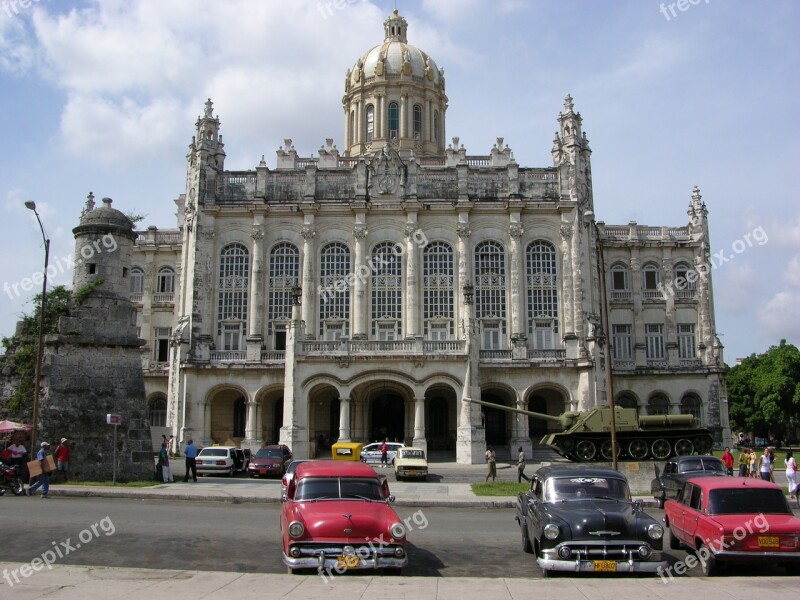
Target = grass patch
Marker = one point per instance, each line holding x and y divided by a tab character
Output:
130	484
499	488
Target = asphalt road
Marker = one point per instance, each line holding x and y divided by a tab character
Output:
443	542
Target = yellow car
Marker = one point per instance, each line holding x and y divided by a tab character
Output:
410	462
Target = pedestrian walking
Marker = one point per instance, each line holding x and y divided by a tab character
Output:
163	460
172	447
521	466
791	474
491	461
43	480
727	458
62	459
384	454
191	461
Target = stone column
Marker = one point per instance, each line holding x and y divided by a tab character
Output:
519	433
256	299
361	272
380	119
403	133
517	279
251	433
428	121
308	309
294	432
463	232
412	284
344	419
471	436
419	424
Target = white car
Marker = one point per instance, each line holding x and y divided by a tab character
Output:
371	453
217	459
410	462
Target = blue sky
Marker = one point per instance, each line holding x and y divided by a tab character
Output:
102	96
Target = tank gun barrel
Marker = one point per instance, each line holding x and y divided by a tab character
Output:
544	417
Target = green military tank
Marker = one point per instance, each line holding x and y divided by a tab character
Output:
586	435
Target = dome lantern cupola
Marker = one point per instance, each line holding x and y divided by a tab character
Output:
395	28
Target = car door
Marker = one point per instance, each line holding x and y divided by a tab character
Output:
691	518
677	517
672	481
534	509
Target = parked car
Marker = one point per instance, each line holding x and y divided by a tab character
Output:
371	453
410	462
583	519
734	520
336	515
677	470
217	459
270	460
289	475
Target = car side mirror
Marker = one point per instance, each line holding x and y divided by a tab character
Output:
390	499
638	505
284	498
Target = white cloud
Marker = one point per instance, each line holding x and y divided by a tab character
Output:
730	282
778	316
792	273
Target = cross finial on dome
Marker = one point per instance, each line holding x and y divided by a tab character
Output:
395	28
209	111
568	103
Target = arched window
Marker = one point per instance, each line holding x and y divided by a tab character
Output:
386	290
284	274
417	122
490	293
620	283
437	290
658	405
627	400
651	277
158	412
684	282
137	280
542	284
234	284
394	121
370	122
239	417
691	405
334	291
165	282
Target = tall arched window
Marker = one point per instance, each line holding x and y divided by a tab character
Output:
690	405
627	400
437	290
684	282
394	121
542	286
370	122
620	283
284	274
658	405
165	282
490	293
239	417
651	278
158	412
234	284
386	290
417	122
137	280
334	291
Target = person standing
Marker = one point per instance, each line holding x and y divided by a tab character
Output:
163	460
43	481
62	459
384	454
191	461
172	447
791	474
491	461
752	463
521	466
727	458
18	452
765	465
744	458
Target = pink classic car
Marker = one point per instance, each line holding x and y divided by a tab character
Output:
336	517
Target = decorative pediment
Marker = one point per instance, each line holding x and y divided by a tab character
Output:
387	173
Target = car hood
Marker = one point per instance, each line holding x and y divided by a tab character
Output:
265	462
599	519
345	519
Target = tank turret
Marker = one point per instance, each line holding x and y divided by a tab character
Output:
586	435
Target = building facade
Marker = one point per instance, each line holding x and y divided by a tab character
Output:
372	293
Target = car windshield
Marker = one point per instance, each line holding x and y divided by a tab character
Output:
698	464
269	453
293	465
571	488
742	500
214	452
335	488
412	454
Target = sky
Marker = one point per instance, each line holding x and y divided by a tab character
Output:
102	96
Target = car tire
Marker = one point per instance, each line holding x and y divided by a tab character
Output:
527	548
709	566
674	542
660	500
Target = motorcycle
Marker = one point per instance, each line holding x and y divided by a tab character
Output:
9	478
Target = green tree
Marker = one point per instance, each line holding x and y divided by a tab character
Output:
764	392
21	348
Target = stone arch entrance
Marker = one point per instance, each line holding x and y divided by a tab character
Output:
323	415
441	420
548	401
228	413
387	416
496	421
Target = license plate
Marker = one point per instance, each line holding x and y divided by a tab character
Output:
411	472
605	566
262	472
768	541
348	562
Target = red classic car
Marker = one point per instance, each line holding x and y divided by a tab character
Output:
336	516
733	519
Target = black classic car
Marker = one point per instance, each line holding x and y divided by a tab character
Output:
666	485
583	519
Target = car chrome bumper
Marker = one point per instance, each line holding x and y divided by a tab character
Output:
587	566
322	563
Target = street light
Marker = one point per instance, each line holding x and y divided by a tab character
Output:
588	217
37	377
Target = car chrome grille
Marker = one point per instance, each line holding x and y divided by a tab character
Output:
333	550
604	551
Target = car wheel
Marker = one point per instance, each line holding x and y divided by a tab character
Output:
708	565
526	541
674	542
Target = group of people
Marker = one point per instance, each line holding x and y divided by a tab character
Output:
16	454
753	465
166	453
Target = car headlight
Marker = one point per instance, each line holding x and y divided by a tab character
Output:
296	529
551	531
655	531
398	531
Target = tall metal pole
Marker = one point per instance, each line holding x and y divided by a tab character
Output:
37	377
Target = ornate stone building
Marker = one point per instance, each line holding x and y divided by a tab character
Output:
367	294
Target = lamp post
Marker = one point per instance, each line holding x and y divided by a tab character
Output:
588	217
30	204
